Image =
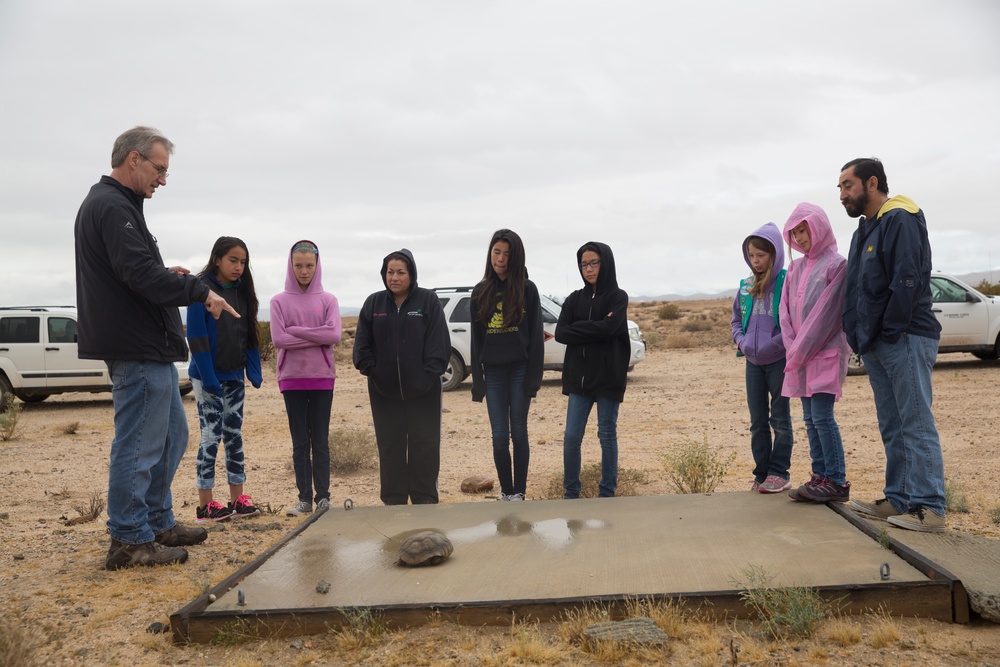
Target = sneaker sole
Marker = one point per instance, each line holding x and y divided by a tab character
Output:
208	519
773	491
864	511
916	527
241	515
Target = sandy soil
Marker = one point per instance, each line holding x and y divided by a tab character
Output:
63	608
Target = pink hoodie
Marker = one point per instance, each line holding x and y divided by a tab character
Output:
811	307
304	328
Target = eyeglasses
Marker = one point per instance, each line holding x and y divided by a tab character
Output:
593	264
161	171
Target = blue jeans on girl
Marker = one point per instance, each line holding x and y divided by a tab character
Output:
577	413
220	418
507	406
769	410
825	445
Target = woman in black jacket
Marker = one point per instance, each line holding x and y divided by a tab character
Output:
593	325
507	356
402	346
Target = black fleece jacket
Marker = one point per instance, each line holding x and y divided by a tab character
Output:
127	298
593	325
403	351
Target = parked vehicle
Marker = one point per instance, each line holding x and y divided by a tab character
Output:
457	302
38	356
970	321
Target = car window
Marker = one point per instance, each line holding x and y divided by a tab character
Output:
62	330
463	311
549	318
19	329
945	291
444	300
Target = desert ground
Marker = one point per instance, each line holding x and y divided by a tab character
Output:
59	606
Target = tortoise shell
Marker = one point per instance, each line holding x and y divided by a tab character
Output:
428	547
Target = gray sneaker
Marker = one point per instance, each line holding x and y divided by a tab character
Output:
121	555
304	507
322	504
516	497
921	519
880	509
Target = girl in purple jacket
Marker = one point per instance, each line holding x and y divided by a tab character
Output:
305	325
816	350
757	334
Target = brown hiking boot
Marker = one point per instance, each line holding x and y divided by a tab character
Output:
182	536
121	555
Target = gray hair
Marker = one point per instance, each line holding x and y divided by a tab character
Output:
139	139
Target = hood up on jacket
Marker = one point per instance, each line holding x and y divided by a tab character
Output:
410	265
770	233
820	231
292	283
607	277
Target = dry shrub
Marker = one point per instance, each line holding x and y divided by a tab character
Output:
530	647
884	631
89	511
670	615
694	468
352	449
842	631
680	341
264	341
668	311
994	515
795	610
697	325
361	628
71	428
629	480
9	418
17	648
954	497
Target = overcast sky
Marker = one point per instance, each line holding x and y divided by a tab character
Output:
668	130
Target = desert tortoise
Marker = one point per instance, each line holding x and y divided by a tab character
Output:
428	547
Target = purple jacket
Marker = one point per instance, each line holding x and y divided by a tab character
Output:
761	342
811	309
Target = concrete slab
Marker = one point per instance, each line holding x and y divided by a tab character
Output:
537	557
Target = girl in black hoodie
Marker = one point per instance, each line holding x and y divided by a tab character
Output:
402	346
507	355
593	325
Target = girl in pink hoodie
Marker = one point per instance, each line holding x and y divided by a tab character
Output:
305	325
816	349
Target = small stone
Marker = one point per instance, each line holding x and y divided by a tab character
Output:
18	556
4	516
477	484
211	597
157	628
323	586
297	644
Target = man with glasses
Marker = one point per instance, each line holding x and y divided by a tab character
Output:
128	317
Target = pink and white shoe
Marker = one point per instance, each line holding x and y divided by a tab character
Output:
775	484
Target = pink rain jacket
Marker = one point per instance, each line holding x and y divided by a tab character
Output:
810	312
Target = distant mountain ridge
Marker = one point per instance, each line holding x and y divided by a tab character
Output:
971	279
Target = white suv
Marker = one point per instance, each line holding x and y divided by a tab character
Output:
970	320
457	302
38	356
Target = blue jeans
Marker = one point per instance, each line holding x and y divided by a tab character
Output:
507	406
577	413
220	418
151	434
825	445
769	410
900	376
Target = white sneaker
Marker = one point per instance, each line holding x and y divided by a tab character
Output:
304	507
516	497
322	504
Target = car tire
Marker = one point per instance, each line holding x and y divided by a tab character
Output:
6	392
33	398
855	365
454	373
992	354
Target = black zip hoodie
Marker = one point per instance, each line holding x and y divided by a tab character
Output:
403	351
593	325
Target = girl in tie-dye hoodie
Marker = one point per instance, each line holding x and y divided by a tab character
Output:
757	334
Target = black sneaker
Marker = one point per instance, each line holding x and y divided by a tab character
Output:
827	491
243	507
121	555
798	496
213	511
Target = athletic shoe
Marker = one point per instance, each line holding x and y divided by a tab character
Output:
880	509
243	507
796	494
516	497
121	555
920	519
304	507
213	511
775	484
322	504
181	536
755	487
827	491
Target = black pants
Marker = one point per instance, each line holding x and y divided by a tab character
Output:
408	433
309	423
